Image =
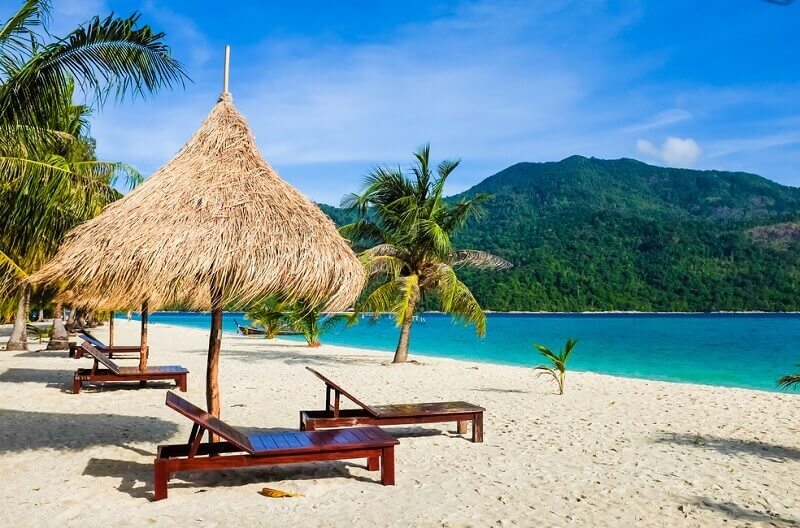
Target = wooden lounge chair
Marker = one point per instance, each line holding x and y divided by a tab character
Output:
115	373
76	351
404	413
242	450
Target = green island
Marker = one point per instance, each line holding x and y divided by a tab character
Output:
587	234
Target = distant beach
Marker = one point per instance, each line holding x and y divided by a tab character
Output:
610	452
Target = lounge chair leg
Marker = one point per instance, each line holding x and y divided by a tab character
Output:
302	424
181	383
76	386
160	478
477	427
387	466
373	464
462	427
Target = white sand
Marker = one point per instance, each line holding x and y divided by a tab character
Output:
610	452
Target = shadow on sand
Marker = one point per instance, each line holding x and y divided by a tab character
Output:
732	446
137	478
26	430
743	514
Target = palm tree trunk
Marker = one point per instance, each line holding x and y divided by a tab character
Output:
401	353
60	338
70	324
19	334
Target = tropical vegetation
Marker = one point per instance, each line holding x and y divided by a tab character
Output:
558	362
587	234
50	179
406	226
276	315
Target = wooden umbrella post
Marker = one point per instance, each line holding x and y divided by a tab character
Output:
214	345
143	342
111	328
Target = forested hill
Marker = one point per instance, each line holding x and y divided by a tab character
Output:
591	234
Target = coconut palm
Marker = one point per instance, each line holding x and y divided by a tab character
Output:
558	360
48	177
408	224
25	246
309	321
269	315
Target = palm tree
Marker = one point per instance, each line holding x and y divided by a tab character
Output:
25	246
309	321
408	225
559	361
48	177
270	315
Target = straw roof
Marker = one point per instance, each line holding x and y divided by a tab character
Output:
217	215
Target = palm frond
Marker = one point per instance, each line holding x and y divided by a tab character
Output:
478	259
789	382
104	56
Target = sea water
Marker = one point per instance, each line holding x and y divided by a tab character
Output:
733	350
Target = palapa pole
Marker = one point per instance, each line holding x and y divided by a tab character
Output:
215	337
111	329
214	345
226	69
143	341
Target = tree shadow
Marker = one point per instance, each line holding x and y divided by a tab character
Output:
741	513
50	377
136	478
27	430
44	353
731	446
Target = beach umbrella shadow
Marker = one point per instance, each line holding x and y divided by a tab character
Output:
31	430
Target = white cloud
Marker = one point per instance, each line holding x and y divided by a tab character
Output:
676	152
661	119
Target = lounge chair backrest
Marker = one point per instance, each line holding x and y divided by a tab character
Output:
348	395
92	339
100	357
208	422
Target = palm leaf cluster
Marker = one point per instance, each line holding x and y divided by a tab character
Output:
406	224
558	361
50	179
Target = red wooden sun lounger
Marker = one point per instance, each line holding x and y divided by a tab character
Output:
242	450
404	413
115	373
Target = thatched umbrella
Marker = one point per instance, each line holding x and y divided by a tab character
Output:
216	226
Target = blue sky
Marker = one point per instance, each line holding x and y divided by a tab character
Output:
332	89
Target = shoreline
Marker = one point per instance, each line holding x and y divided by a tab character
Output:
413	354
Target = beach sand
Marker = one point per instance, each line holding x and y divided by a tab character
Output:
609	452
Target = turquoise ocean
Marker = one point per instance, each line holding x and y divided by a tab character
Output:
731	350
